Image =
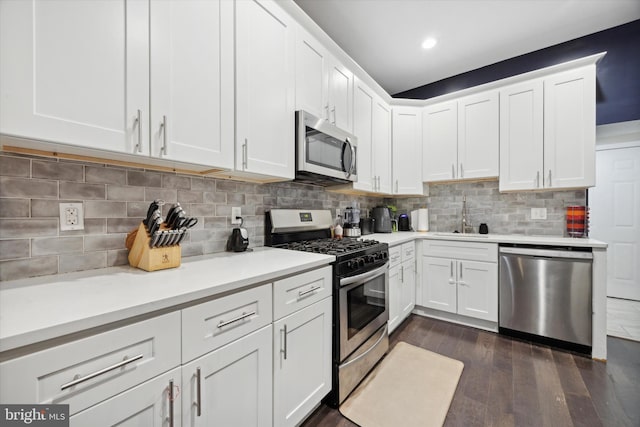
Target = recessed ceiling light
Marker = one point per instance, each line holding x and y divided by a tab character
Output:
429	43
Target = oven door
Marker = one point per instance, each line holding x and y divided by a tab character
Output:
364	307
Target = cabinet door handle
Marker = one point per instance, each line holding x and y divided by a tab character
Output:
326	110
549	177
171	403
198	392
451	278
163	128
453	170
460	270
333	110
244	315
285	342
538	179
461	171
397	187
308	291
402	273
77	381
138	122
244	154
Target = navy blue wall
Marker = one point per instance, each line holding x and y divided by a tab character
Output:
618	74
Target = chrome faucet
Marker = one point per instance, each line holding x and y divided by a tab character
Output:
466	223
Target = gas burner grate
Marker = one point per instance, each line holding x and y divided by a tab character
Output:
330	246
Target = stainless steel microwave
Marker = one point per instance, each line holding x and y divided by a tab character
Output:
325	154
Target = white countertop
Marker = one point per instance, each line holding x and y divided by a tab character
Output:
37	309
406	236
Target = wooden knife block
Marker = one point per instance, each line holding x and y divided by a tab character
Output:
152	259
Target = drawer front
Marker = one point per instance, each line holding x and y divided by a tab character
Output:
472	251
296	292
84	372
212	324
408	251
395	255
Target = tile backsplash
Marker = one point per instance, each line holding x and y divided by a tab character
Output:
115	199
504	213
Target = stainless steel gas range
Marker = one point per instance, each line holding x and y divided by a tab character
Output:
360	291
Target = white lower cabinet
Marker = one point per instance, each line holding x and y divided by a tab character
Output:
153	403
464	286
301	362
402	284
230	386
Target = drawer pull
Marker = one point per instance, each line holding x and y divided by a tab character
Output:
308	291
171	397
198	392
100	372
237	319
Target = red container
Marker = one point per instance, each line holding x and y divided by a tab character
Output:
577	221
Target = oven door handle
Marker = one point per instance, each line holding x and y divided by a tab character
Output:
364	276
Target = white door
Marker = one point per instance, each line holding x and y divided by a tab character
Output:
382	146
478	289
362	129
192	82
408	298
615	217
478	136
312	78
301	362
234	387
407	150
148	404
439	284
265	85
76	72
440	139
521	133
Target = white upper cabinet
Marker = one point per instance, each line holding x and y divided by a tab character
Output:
461	138
440	155
76	72
407	150
340	102
547	132
569	129
265	83
312	77
382	150
521	115
192	81
363	102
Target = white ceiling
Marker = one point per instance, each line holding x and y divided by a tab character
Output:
384	36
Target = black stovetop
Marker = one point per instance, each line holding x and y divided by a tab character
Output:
337	247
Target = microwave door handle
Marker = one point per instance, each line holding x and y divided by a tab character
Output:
353	158
344	148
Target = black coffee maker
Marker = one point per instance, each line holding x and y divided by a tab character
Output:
239	239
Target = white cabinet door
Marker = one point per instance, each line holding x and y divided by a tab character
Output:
301	362
569	129
312	77
408	295
439	284
382	146
192	81
76	72
521	133
478	289
440	139
407	150
153	403
363	102
478	136
234	384
395	294
265	83
340	95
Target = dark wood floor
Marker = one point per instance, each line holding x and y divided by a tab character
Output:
507	382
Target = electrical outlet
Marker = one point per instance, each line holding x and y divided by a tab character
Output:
538	213
235	213
71	216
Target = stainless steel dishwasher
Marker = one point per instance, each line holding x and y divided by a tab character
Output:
546	292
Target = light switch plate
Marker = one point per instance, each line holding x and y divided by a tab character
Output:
538	213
